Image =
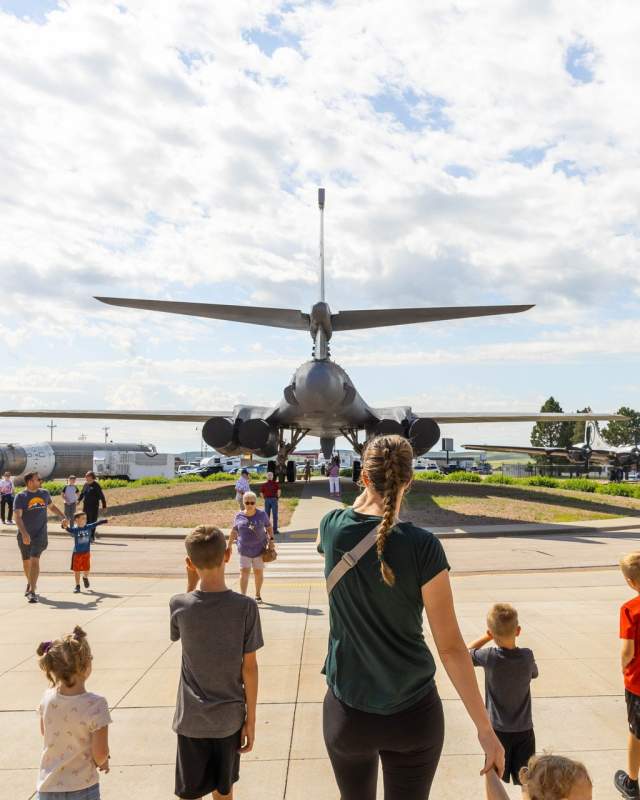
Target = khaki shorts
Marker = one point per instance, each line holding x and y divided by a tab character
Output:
246	562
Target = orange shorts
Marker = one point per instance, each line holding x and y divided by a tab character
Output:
81	562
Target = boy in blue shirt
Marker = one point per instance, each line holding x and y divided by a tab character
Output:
81	557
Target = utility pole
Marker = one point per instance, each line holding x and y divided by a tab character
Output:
51	426
106	430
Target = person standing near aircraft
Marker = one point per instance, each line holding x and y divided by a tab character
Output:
6	498
91	497
30	509
253	532
334	478
270	491
382	702
242	486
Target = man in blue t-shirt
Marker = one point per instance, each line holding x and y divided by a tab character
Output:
30	511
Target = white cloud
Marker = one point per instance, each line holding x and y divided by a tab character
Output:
155	150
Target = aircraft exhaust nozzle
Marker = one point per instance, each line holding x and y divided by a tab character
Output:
217	432
423	434
259	437
388	427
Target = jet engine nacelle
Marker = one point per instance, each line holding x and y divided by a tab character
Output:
259	437
423	435
219	433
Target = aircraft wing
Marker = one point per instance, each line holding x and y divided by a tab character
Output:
530	451
383	317
162	416
451	417
273	317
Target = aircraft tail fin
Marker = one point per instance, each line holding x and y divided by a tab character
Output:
321	207
383	317
254	315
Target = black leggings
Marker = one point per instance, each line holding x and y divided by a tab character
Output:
7	500
408	743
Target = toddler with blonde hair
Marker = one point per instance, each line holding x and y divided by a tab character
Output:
73	722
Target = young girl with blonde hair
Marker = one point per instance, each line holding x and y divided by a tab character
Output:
547	777
382	702
73	722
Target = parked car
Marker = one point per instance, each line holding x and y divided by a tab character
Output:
186	469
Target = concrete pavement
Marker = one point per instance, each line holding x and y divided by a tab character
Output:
569	619
563	580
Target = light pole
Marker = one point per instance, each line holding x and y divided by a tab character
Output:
51	426
106	430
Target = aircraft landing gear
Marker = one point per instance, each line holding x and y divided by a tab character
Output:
285	468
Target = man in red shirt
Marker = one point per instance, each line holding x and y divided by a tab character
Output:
627	783
270	491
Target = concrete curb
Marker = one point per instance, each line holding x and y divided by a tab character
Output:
592	528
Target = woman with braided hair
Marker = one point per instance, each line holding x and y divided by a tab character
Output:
382	702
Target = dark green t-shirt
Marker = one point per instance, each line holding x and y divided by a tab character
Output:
378	660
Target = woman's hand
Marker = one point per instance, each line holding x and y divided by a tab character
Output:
493	752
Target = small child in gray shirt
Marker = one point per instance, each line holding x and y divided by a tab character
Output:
220	633
508	672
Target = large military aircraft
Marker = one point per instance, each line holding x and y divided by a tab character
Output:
594	450
320	398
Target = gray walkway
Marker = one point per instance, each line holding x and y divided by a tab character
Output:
569	619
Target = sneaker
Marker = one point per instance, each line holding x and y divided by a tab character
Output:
33	597
27	591
258	599
85	580
626	787
77	589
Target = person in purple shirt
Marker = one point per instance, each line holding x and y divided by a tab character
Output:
252	530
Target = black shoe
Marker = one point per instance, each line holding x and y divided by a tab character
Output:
27	591
626	787
33	597
77	589
85	580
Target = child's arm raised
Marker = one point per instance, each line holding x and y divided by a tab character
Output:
494	788
100	748
480	642
438	602
250	680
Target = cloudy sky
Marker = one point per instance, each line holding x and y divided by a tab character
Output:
472	153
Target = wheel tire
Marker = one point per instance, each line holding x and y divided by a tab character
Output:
291	471
355	471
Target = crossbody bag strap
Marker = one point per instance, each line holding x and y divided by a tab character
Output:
350	559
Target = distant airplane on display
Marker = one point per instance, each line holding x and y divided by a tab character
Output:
320	399
594	450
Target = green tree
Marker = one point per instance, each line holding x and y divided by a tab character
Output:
627	432
552	434
579	427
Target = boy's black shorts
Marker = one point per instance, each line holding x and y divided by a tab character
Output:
633	712
518	749
204	766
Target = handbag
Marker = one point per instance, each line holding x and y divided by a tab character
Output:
269	553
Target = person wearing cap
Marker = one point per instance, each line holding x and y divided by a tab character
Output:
242	486
270	491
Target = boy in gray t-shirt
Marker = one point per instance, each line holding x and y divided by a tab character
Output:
216	705
508	671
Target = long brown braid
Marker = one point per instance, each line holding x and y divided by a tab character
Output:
388	464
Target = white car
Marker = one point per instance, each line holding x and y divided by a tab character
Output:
186	469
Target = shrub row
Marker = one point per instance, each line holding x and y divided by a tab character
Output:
572	484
